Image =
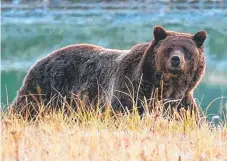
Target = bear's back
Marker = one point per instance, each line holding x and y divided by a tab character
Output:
87	50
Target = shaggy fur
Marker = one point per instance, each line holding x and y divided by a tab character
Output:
96	73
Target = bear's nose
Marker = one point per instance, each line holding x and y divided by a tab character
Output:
175	61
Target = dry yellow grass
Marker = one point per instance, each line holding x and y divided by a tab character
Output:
93	135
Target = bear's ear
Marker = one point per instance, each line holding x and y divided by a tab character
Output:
159	33
199	38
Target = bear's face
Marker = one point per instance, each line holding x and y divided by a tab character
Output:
177	53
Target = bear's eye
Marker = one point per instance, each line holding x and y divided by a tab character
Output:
187	53
185	49
169	50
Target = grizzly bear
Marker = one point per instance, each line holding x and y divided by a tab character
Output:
172	62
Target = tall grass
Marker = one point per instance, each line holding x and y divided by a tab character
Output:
95	134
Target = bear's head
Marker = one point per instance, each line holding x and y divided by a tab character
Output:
178	53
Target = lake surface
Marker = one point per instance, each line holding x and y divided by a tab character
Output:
31	31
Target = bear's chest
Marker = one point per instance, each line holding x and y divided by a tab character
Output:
174	88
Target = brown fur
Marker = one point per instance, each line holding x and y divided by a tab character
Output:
97	73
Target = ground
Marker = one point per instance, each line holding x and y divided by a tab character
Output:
105	136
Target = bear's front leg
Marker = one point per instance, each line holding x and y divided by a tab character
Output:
125	103
188	103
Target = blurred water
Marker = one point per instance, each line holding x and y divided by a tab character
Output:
32	30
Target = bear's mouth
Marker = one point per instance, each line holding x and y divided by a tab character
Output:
175	71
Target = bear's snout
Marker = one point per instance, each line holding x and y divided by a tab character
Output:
175	61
